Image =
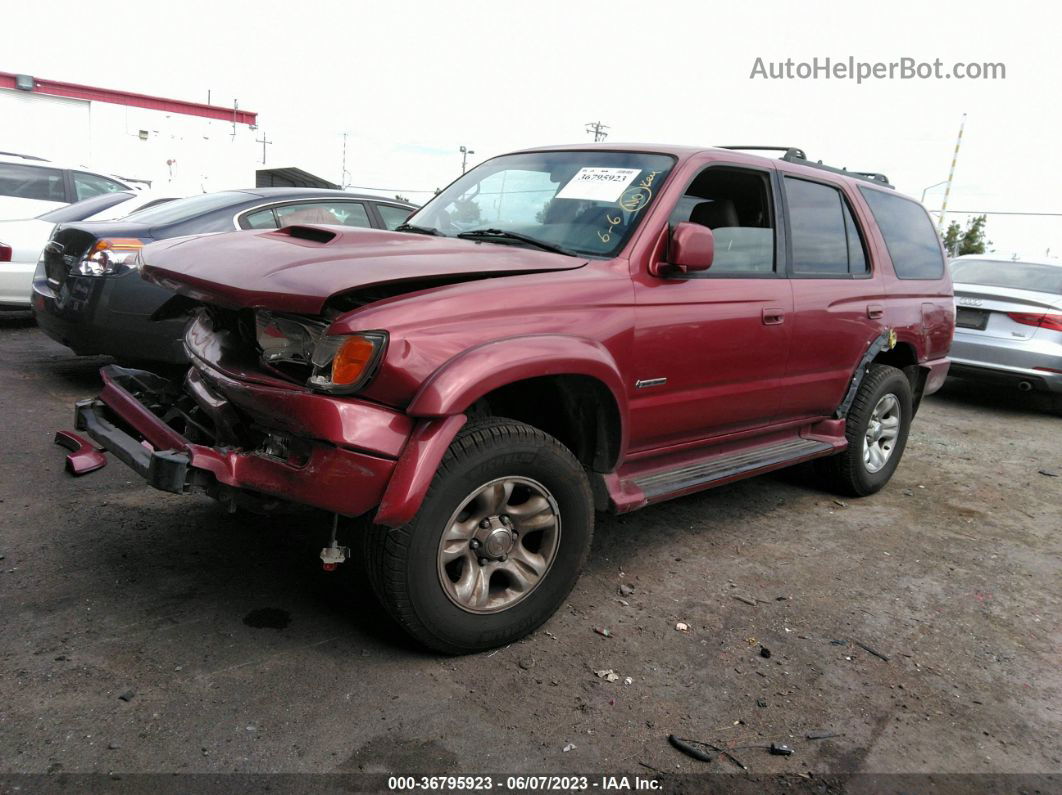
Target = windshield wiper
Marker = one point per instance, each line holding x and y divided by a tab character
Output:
423	230
475	234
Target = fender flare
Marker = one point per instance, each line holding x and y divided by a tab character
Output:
461	381
442	400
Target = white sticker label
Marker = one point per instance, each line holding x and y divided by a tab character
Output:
599	184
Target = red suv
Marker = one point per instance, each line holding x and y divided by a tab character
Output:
561	331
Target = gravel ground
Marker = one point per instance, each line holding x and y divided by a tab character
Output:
145	632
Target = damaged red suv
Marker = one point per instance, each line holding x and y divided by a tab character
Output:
559	332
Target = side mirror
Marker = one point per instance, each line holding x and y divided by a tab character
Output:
692	248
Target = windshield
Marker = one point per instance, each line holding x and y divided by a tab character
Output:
1041	278
79	211
585	203
184	209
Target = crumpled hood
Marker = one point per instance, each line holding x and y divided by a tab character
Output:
298	268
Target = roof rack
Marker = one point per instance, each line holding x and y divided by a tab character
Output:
796	155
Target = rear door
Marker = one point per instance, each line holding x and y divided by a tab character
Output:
838	297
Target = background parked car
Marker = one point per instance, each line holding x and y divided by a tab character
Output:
31	185
86	297
21	241
1008	323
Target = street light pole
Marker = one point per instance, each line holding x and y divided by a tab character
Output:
934	185
465	152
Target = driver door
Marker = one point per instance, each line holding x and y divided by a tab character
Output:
711	347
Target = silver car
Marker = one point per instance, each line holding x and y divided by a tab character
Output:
1008	323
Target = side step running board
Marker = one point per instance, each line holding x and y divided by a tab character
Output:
723	467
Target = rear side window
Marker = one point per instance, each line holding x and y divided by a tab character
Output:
32	182
326	212
826	240
909	235
88	185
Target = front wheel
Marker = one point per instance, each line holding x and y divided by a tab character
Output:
497	545
876	427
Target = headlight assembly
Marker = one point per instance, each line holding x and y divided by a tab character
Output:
338	363
110	256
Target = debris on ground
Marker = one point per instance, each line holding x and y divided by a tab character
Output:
765	653
527	663
628	681
604	632
842	503
608	675
1051	473
682	626
778	749
568	747
625	589
744	599
127	695
822	735
876	653
689	750
761	702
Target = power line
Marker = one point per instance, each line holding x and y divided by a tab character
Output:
388	190
996	212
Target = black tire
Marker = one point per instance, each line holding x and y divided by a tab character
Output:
846	472
403	562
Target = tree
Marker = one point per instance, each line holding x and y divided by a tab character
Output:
958	241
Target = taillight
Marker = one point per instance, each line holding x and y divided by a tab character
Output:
5	253
1040	320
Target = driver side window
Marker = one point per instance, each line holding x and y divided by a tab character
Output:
736	205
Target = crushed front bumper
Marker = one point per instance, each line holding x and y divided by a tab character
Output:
126	419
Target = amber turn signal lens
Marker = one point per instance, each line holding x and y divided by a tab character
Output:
351	360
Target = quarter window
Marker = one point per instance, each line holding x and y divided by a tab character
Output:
88	185
914	247
393	216
826	240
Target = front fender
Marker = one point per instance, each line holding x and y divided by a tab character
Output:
463	380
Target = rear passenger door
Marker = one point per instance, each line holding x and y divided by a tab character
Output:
838	297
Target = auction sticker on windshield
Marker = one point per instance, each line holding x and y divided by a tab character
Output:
599	184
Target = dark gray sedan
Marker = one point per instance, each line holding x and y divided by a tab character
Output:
88	296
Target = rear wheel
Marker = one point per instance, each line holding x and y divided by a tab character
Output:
497	545
877	427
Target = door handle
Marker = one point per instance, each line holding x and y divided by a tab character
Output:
773	315
875	311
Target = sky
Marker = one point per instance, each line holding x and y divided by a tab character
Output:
411	82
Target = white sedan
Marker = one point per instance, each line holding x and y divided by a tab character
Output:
21	241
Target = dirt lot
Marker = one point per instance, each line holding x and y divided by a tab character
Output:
149	632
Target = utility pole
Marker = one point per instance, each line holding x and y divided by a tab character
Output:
343	170
264	142
235	110
465	152
951	175
598	130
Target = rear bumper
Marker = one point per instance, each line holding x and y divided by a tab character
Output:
81	316
936	372
16	284
325	475
997	360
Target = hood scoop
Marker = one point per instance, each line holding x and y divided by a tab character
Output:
298	268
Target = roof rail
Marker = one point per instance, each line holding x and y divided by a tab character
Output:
796	155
